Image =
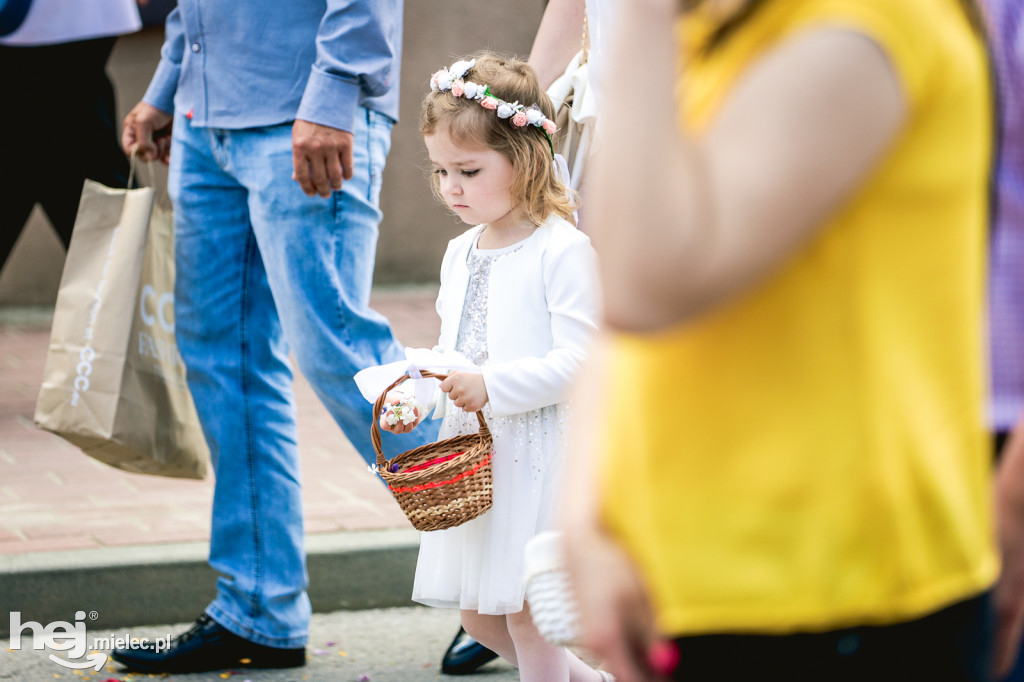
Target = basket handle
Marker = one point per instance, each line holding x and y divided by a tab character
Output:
377	406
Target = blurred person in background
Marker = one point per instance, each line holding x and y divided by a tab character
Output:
1009	595
569	54
1006	318
58	117
792	475
559	37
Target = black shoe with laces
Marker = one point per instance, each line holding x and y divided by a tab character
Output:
465	655
206	646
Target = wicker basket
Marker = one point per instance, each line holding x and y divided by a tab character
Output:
439	485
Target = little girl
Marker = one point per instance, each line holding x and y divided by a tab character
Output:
518	298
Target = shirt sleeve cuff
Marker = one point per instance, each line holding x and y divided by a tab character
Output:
160	93
329	100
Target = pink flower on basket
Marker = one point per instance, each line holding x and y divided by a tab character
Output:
458	88
549	126
490	102
519	119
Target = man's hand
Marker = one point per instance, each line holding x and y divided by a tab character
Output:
148	130
322	157
467	390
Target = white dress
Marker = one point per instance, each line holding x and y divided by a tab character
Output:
478	566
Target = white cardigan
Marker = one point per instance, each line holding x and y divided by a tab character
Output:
542	311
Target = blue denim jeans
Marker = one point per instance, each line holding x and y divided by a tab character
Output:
262	270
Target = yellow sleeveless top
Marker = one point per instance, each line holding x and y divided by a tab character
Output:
812	455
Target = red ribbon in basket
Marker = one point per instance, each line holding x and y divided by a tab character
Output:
432	462
437	484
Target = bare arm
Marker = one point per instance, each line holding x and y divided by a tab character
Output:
1009	593
683	223
559	37
616	617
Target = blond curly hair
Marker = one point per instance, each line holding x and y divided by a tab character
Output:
535	187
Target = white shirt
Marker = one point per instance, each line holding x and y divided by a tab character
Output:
49	22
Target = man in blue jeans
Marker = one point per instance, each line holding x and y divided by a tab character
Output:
281	115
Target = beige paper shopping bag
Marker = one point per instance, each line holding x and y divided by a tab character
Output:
114	384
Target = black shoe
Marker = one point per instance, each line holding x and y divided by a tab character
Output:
205	646
465	655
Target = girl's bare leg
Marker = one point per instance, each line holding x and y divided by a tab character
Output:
580	671
541	661
492	632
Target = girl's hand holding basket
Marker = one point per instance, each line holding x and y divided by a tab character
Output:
466	390
402	413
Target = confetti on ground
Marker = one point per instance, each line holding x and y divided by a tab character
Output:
364	678
319	652
330	643
343	653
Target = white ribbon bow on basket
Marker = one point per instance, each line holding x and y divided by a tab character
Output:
373	381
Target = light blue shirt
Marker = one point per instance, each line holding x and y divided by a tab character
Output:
249	63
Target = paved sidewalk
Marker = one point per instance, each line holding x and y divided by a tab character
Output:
54	498
129	550
389	645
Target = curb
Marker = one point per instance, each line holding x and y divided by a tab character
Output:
172	583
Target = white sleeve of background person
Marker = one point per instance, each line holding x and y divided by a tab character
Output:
50	22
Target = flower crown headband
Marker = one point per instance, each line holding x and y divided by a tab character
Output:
451	80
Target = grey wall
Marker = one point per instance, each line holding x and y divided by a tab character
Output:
415	229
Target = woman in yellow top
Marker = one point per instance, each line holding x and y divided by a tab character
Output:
793	475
